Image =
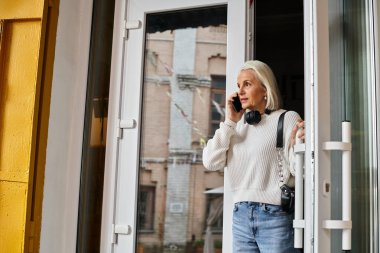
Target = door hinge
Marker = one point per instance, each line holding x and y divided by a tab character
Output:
120	229
130	25
124	124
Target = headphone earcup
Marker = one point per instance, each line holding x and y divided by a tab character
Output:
252	117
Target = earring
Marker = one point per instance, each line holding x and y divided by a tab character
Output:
265	98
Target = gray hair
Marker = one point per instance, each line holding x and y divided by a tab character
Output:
266	77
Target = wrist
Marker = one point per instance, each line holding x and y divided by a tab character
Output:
230	123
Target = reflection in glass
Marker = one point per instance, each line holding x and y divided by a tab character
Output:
183	101
146	208
95	129
218	98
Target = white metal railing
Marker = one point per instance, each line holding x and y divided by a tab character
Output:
346	223
299	222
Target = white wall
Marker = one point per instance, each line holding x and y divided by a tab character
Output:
64	147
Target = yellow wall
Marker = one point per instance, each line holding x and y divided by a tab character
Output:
24	76
17	110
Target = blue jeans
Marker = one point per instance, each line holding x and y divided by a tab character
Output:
262	228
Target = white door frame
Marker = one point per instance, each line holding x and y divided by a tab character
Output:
124	95
375	96
318	123
317	118
235	59
64	144
318	128
309	136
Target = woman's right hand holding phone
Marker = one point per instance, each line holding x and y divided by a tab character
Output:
232	113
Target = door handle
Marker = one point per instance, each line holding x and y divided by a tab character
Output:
124	124
298	222
120	229
123	229
127	123
346	223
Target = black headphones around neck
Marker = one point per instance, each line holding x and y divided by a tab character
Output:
254	117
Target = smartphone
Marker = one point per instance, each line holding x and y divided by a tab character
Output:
237	104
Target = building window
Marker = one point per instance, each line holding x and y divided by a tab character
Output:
218	102
146	208
214	212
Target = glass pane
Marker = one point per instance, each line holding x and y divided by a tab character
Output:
218	82
184	50
351	100
216	115
146	208
219	97
214	127
95	129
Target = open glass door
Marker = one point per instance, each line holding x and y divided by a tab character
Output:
340	169
167	96
340	192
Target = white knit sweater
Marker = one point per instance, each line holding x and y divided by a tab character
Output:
249	152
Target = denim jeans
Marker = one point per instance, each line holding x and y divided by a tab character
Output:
264	228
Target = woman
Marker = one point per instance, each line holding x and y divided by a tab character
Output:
248	150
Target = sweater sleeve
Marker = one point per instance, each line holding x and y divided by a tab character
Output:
292	119
215	152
